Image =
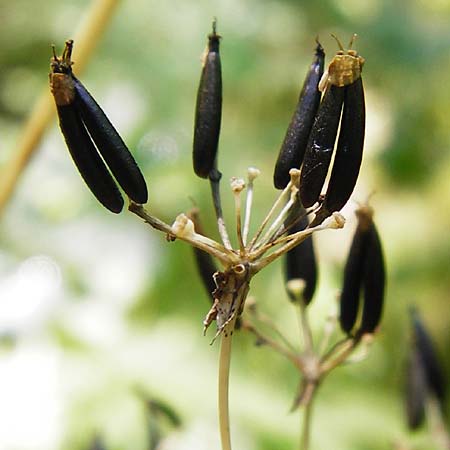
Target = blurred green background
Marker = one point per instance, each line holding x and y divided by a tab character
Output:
93	305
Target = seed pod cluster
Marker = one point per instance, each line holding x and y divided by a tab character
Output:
208	111
364	271
424	375
88	132
343	90
300	262
293	148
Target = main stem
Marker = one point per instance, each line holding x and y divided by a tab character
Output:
306	426
224	378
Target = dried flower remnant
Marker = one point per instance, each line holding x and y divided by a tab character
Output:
343	86
364	270
294	145
208	111
83	123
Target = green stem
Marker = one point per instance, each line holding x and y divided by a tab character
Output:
224	379
306	426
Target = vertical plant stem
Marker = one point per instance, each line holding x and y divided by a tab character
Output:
307	416
43	111
224	378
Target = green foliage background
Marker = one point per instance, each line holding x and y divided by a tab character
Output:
119	307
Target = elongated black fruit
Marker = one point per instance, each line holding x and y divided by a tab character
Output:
294	145
82	121
364	270
353	277
415	390
300	262
319	149
208	111
110	145
373	283
88	161
349	152
433	370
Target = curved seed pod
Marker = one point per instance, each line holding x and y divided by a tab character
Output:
349	151
433	370
208	111
110	145
300	262
294	144
373	283
319	149
87	160
353	274
205	263
415	390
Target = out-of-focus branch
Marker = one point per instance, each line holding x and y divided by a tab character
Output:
86	38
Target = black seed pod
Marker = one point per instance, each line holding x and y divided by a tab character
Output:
364	269
87	159
433	370
205	263
319	149
294	144
208	111
353	276
348	153
415	390
373	283
82	121
110	145
300	262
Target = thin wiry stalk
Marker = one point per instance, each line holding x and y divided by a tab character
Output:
279	201
215	191
196	240
279	219
306	424
252	174
237	185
